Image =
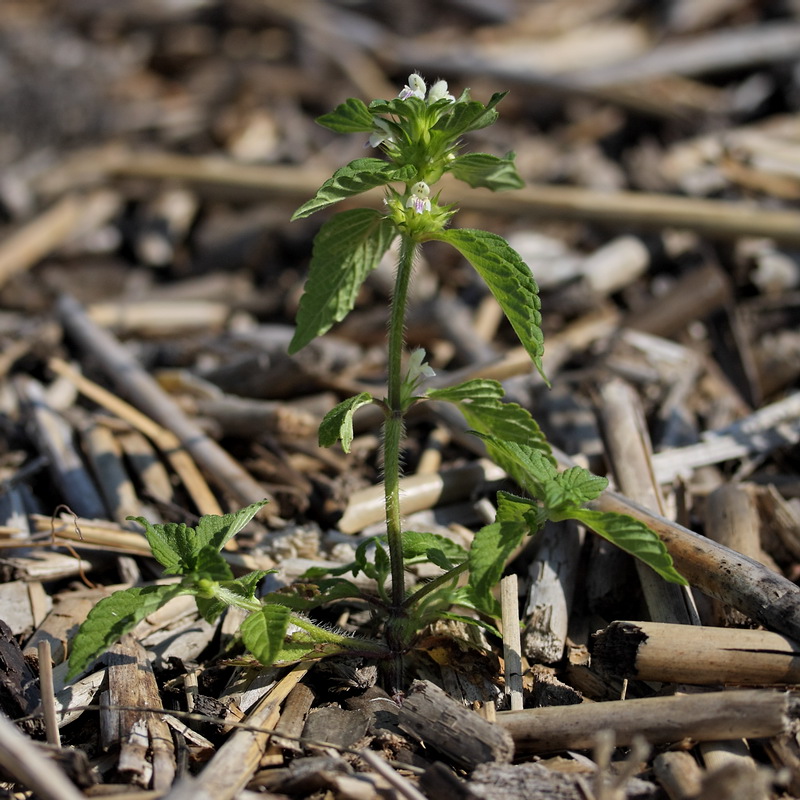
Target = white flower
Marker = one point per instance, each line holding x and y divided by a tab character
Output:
417	367
419	200
439	92
381	134
414	88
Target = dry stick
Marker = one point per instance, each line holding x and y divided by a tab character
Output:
29	244
167	442
710	217
24	761
657	651
418	492
732	519
705	717
135	382
628	445
402	785
234	763
512	646
764	595
164	439
48	693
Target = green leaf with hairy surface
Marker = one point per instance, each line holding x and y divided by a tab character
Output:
630	535
216	530
490	549
573	487
529	465
358	176
263	632
173	544
509	279
352	116
439	550
511	508
346	249
474	391
338	422
115	616
176	545
468	116
480	401
481	170
276	636
211	564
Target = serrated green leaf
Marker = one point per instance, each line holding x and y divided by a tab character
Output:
630	535
356	177
511	508
263	632
276	636
573	487
490	549
115	616
210	564
530	465
475	391
346	249
439	550
173	544
465	117
509	280
481	170
216	531
352	116
338	422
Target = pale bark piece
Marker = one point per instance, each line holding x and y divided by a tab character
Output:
715	716
21	758
133	381
773	426
552	574
54	438
631	453
465	738
147	753
512	646
17	604
732	519
235	762
679	774
694	654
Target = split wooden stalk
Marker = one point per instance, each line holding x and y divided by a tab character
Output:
235	762
553	574
630	451
700	655
512	646
715	716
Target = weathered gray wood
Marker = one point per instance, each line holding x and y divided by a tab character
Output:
704	717
464	737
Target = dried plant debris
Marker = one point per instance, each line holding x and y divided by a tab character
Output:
150	280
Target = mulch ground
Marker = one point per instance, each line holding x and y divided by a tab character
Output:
152	154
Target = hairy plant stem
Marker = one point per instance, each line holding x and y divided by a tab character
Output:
392	437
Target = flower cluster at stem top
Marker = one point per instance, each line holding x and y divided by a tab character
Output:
410	134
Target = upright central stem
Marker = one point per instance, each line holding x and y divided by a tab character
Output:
392	437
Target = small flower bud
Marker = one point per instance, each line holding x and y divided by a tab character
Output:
439	92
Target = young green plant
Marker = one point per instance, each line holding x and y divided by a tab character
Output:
420	135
